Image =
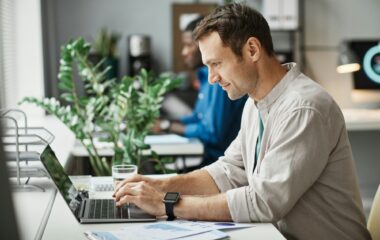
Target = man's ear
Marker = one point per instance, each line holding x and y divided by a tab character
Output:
254	48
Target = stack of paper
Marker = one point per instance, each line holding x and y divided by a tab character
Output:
188	230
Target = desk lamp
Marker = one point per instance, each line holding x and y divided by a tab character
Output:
347	61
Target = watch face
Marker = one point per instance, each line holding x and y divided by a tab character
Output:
171	196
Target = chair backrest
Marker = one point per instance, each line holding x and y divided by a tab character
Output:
373	223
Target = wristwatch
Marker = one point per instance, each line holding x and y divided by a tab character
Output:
165	125
170	199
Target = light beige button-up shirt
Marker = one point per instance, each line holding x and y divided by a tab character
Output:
305	180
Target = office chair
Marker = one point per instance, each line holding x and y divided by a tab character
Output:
374	217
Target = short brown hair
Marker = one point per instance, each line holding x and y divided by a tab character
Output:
235	23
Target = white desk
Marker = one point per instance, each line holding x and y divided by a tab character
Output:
33	209
185	151
63	225
191	148
65	144
45	215
362	119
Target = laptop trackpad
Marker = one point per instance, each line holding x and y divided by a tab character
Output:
138	213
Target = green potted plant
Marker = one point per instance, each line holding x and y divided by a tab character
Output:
105	47
108	106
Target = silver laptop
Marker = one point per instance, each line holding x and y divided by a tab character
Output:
88	210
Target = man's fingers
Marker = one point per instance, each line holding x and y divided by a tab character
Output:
131	179
127	189
125	200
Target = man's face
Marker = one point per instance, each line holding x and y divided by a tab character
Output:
237	76
190	51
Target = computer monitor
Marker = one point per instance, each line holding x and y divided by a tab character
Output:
368	54
366	81
8	223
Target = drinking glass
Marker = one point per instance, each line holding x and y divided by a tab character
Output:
120	172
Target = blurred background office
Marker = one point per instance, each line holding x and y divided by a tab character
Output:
308	32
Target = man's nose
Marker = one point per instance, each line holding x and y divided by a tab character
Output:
213	77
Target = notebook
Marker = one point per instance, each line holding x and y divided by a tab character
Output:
88	210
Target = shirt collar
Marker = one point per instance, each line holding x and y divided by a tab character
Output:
278	89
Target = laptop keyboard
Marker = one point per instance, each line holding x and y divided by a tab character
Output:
106	209
102	187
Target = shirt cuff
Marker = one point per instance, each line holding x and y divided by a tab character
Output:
238	204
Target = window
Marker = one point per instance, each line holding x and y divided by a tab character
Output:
21	68
7	52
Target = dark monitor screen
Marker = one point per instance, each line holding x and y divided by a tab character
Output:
368	55
61	179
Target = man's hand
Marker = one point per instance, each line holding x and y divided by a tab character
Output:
143	195
143	191
138	178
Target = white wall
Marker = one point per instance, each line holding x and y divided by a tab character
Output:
152	17
29	73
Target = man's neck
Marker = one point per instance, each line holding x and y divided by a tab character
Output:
270	72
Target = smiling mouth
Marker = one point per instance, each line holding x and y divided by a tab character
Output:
224	86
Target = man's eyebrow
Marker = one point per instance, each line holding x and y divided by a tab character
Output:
211	61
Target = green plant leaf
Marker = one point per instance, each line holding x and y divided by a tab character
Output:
68	97
65	85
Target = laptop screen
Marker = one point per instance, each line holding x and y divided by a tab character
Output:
61	180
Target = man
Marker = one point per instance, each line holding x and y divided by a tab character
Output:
291	163
215	119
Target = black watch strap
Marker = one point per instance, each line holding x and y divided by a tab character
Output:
169	210
170	199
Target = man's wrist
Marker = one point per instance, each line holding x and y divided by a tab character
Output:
160	185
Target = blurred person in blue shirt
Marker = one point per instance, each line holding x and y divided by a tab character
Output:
215	120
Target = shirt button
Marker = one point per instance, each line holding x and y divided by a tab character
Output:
200	115
200	96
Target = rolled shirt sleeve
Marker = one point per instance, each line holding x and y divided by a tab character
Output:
229	171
